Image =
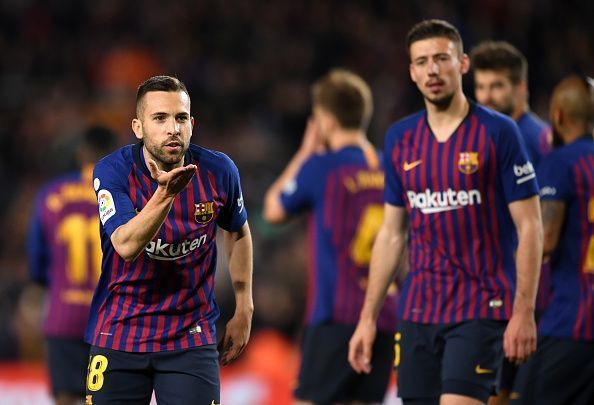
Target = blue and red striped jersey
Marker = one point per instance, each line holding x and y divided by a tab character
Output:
567	175
462	237
536	135
64	251
343	191
164	299
537	139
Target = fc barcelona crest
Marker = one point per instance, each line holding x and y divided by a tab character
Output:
204	212
468	162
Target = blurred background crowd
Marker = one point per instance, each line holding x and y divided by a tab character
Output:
248	64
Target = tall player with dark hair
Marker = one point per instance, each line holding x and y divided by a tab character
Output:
160	204
338	177
562	370
65	256
460	173
501	83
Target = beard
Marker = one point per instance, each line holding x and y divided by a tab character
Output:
443	102
165	159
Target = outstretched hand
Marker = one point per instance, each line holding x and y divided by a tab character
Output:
519	339
360	347
173	181
237	334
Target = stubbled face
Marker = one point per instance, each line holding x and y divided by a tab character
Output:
437	68
165	127
494	89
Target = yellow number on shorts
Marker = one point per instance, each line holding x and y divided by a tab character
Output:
397	337
81	237
369	225
97	367
589	262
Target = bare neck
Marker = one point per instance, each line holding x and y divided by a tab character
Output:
521	109
344	137
444	121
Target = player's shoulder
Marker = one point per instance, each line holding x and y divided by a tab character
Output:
408	123
211	159
121	157
58	182
497	125
117	164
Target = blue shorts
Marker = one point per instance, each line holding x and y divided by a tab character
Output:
67	360
326	377
462	358
188	376
560	372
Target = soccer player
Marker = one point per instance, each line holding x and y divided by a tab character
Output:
562	369
501	83
337	176
64	251
460	173
153	312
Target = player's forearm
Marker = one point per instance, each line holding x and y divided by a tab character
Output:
240	256
528	263
273	211
130	239
385	261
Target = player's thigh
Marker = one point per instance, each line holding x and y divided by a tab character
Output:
372	387
473	358
190	376
116	377
325	375
560	372
418	362
324	372
67	365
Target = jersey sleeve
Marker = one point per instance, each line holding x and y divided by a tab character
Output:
298	194
234	213
516	171
555	179
393	191
113	196
37	246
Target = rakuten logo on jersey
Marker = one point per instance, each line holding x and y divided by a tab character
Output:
431	202
524	173
159	250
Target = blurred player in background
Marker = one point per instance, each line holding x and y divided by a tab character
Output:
501	83
460	173
562	370
65	256
161	202
337	176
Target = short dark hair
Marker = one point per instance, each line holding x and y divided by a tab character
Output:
100	139
346	96
158	83
434	29
500	55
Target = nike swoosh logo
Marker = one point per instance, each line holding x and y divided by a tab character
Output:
409	166
480	370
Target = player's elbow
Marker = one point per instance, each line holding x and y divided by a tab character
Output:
273	212
126	252
126	249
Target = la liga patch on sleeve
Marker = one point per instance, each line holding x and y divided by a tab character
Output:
107	207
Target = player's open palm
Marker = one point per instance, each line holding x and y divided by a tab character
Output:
360	347
237	335
173	181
